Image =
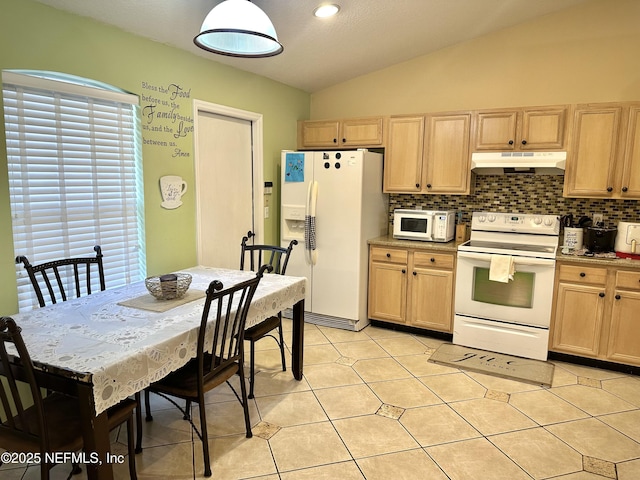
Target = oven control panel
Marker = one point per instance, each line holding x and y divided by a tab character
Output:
515	222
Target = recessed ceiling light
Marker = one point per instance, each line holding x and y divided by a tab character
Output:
326	10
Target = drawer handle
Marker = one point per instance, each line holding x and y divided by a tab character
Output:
582	274
433	260
617	297
404	271
414	274
601	294
388	255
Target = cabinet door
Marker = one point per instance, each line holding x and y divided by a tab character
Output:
431	295
403	155
496	130
447	159
318	134
361	132
578	319
630	185
543	129
594	152
624	340
387	292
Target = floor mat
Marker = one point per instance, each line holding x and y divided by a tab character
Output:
490	363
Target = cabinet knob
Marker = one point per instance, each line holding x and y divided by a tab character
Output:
417	185
524	142
510	142
432	260
617	297
582	274
344	140
428	185
404	271
414	274
601	294
624	189
335	140
609	189
388	255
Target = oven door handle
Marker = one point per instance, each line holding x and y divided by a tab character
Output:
486	257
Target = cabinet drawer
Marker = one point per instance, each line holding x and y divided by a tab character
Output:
629	280
391	255
583	274
428	259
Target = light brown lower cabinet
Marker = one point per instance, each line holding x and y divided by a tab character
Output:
596	313
412	287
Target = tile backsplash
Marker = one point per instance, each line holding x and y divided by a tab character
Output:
520	193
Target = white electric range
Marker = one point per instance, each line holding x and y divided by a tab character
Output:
504	283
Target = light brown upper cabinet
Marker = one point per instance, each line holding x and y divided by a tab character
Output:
529	128
428	154
403	154
604	158
348	133
446	154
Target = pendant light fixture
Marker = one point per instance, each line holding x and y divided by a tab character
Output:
238	28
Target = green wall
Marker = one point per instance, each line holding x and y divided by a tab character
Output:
35	36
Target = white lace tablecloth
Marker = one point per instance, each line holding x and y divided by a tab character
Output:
121	350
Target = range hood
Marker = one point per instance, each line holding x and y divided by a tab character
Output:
499	163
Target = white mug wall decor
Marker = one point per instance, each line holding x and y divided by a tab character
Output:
172	187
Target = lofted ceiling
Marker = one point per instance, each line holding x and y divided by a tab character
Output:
365	36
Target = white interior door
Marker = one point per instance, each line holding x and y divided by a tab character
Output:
228	182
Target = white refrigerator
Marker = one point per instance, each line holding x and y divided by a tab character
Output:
332	204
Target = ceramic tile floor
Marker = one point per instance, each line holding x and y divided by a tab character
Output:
372	407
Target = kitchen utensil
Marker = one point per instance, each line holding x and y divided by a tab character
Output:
627	244
599	238
585	221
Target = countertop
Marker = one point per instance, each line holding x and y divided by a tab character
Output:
605	262
389	241
452	247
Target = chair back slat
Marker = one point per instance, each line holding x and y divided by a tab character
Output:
13	403
59	275
278	257
222	334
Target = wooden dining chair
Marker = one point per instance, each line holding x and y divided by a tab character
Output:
219	356
80	273
51	423
278	258
64	272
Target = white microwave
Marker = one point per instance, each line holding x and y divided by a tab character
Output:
424	225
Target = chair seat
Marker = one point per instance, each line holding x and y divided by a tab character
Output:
183	382
261	329
64	423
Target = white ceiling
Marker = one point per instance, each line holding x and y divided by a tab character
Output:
367	35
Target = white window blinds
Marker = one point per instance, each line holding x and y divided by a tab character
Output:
75	176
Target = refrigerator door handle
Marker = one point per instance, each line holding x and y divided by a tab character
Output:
310	224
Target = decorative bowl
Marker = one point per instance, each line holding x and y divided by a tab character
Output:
168	287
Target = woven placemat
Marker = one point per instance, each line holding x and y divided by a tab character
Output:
148	302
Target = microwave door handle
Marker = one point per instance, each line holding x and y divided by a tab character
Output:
429	231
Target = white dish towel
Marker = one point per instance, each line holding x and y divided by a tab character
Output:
502	268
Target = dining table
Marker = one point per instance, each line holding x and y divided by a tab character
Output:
112	344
